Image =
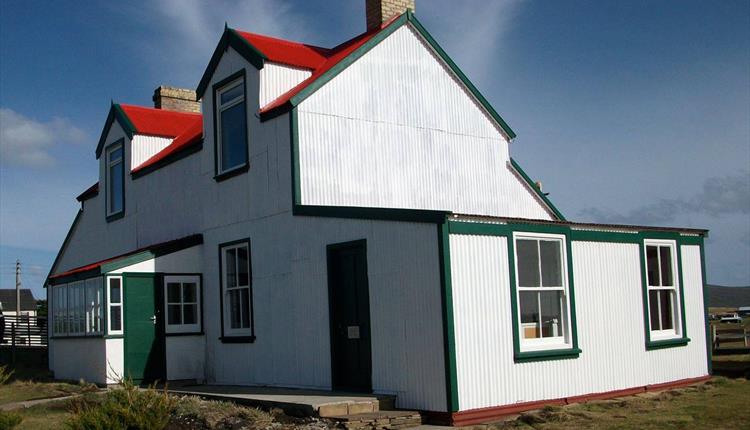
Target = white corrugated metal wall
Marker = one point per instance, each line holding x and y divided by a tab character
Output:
276	79
145	147
397	130
610	326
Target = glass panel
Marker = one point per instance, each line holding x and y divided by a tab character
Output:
115	154
115	187
233	141
190	314
173	292
245	307
652	265
665	255
529	306
551	255
666	301
115	317
552	313
114	290
174	314
653	309
232	93
242	266
234	309
528	263
231	267
188	292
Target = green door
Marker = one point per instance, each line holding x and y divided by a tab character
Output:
144	328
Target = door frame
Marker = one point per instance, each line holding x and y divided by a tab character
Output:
160	337
330	250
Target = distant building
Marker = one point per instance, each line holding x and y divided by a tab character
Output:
743	311
8	301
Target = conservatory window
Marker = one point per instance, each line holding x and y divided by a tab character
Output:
114	298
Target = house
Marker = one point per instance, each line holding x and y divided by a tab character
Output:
8	299
350	218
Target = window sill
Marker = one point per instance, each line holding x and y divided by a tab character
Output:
667	343
237	339
546	355
232	173
114	336
187	333
115	216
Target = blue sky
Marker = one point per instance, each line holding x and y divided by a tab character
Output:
628	112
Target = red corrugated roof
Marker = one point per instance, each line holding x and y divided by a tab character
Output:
287	52
159	122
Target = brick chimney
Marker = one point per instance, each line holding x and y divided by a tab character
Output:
178	99
380	11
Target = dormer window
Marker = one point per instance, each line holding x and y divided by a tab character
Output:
115	171
230	125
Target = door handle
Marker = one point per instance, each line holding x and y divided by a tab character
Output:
153	319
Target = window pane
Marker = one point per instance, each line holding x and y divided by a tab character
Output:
652	265
115	187
551	255
114	290
190	314
666	300
232	93
528	263
245	307
231	267
115	155
234	309
115	317
174	314
242	266
653	309
665	254
552	313
173	292
233	132
529	306
189	292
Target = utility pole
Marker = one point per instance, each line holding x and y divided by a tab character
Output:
18	288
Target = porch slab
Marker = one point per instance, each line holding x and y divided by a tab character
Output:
294	402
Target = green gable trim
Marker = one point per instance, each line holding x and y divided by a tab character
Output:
460	74
709	346
449	334
405	18
230	38
604	236
115	113
538	192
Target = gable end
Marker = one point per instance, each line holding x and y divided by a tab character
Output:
115	113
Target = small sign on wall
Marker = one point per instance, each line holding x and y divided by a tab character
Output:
352	332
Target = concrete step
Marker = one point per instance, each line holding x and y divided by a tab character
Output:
358	406
386	420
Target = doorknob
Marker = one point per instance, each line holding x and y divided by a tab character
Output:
153	319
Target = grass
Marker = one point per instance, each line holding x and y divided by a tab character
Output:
19	390
718	404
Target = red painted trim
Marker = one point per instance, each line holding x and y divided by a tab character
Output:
483	415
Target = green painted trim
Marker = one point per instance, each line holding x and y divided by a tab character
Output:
109	217
449	335
242	168
667	343
547	355
64	245
691	240
115	113
460	74
604	236
536	190
709	346
354	212
294	148
127	261
479	229
229	38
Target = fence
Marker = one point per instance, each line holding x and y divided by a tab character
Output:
23	331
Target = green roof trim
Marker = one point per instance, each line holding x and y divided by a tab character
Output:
538	192
230	38
115	113
449	332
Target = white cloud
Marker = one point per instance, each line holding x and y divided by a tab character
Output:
27	142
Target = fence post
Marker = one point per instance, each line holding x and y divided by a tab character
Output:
13	343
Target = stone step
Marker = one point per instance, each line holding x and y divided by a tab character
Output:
386	420
351	407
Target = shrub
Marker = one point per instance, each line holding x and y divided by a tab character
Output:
9	420
5	375
127	407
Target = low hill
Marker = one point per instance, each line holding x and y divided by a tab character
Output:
728	297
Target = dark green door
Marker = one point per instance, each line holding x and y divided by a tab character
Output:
349	308
144	339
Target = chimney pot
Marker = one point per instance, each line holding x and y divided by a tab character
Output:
380	11
176	99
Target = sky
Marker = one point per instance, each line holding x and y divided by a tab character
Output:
632	112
